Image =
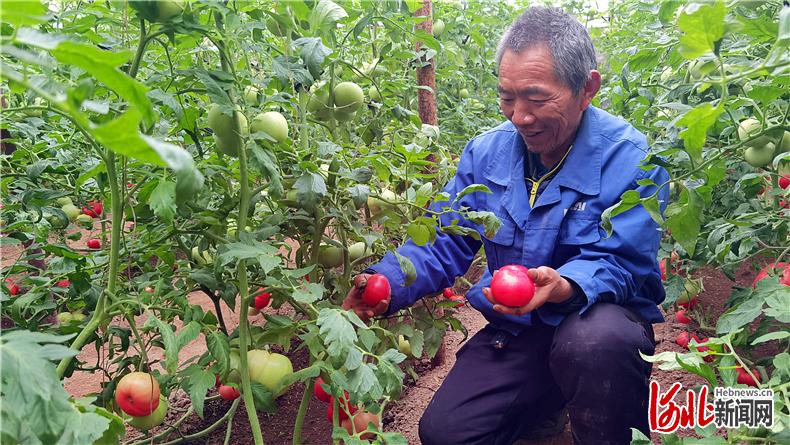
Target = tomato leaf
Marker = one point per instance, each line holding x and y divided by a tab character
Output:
740	315
698	120
308	293
684	219
265	254
407	267
163	200
702	25
26	12
169	341
196	383
337	331
219	348
325	14
263	398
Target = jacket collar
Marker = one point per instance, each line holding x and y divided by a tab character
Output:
582	168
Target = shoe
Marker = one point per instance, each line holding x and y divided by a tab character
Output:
550	427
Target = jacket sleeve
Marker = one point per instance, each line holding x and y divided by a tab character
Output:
437	264
614	268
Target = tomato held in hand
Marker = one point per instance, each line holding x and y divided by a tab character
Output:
511	286
376	290
137	394
319	392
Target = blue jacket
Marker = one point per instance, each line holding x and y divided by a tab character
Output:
562	230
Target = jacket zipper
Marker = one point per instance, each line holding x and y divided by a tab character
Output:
533	193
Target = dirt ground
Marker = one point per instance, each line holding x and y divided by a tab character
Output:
402	416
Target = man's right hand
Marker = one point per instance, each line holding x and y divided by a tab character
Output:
354	300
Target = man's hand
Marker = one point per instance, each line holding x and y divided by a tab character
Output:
354	300
549	287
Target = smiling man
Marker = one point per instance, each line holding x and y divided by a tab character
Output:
553	168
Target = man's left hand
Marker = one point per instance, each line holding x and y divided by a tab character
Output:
549	287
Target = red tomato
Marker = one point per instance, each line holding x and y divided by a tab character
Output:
745	379
262	300
684	338
511	286
13	288
376	290
663	266
459	300
63	283
97	207
682	317
343	413
690	304
774	268
319	392
448	292
784	181
94	243
228	392
89	211
137	394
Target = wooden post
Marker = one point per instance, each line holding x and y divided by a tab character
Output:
426	75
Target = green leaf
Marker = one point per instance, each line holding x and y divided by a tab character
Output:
698	368
325	14
41	411
196	382
313	52
310	189
407	267
684	219
362	380
338	333
703	26
739	316
24	12
219	348
474	188
308	293
163	200
419	233
169	341
263	398
265	254
187	334
490	222
698	120
778	335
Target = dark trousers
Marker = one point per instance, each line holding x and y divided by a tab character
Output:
590	363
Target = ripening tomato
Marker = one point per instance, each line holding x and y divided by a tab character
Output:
145	423
63	283
228	392
682	317
137	394
262	300
376	290
13	288
319	392
745	379
94	243
511	286
360	423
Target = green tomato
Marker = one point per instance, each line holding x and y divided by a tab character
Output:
268	369
64	200
319	105
379	206
152	420
330	256
349	96
251	94
750	127
271	123
72	212
784	144
698	68
203	258
404	346
77	316
84	221
374	94
167	9
438	28
229	137
691	288
759	156
65	318
463	93
357	251
343	116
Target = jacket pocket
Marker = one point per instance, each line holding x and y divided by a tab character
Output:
577	231
501	249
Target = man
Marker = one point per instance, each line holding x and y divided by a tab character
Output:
553	169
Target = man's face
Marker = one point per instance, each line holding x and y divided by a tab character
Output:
544	110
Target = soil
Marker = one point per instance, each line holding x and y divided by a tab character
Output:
402	416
